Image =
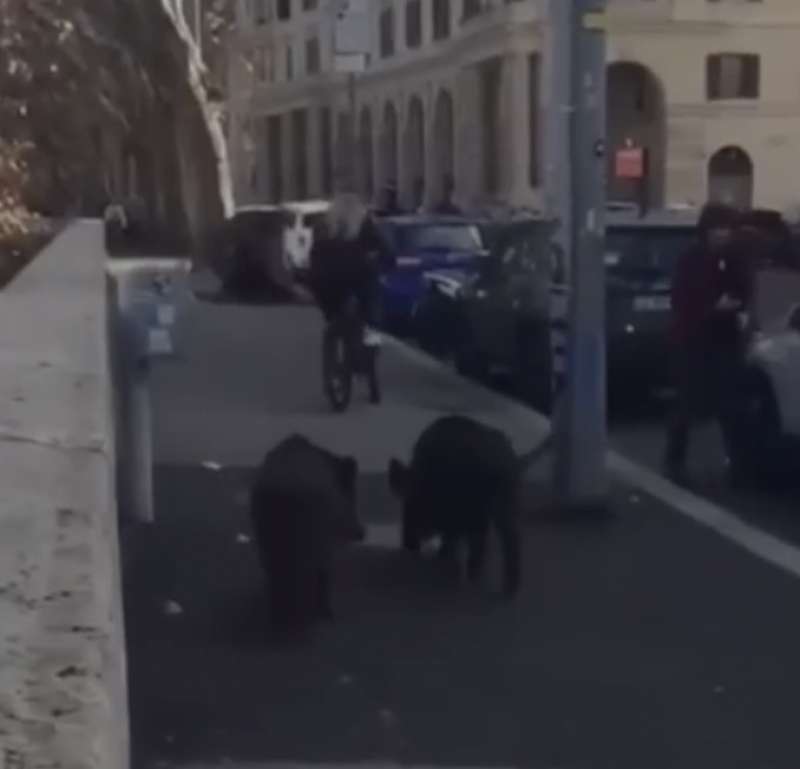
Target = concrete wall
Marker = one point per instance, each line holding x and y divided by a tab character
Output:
63	700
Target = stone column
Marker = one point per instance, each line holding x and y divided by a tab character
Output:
431	163
515	129
287	149
404	171
468	155
314	150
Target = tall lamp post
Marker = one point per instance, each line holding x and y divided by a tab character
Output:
350	50
581	439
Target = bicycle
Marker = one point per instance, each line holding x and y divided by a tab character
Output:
345	356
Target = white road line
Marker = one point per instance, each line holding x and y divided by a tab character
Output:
755	541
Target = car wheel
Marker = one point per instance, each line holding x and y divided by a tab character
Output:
431	327
533	371
470	362
753	432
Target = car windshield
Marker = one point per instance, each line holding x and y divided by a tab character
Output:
439	237
644	255
265	222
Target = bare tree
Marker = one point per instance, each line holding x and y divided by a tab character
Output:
86	84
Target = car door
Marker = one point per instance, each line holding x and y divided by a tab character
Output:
786	372
494	305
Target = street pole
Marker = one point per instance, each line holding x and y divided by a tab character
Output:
353	150
351	37
559	64
559	202
580	467
134	406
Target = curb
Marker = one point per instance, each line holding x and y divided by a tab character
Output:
755	541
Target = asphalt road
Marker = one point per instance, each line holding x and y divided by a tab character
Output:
640	437
638	433
641	641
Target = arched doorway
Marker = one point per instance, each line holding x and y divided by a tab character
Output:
389	146
730	177
636	118
366	177
414	155
443	147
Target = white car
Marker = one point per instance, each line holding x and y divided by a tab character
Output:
766	425
303	217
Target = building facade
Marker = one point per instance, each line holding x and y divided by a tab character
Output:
456	91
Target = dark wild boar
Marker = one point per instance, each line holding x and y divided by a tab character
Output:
464	478
303	504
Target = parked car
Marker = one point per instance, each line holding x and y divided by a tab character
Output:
497	321
248	253
500	321
451	245
640	258
766	413
773	245
303	218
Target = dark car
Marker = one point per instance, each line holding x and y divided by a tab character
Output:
640	257
499	320
248	254
451	245
771	242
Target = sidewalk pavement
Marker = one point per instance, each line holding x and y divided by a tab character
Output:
639	642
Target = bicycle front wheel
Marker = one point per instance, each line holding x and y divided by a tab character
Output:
337	371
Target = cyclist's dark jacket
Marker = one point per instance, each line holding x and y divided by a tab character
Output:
343	268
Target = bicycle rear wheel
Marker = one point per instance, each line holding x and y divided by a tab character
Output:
337	370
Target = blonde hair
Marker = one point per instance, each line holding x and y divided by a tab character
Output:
346	216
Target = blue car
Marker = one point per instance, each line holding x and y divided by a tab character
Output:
420	244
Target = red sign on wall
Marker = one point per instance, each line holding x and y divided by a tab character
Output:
629	163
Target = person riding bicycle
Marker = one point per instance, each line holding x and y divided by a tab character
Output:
347	259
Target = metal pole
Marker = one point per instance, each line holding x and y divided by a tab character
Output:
141	442
351	100
581	468
559	64
135	410
559	204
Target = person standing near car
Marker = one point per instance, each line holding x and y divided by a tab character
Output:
711	289
446	206
390	205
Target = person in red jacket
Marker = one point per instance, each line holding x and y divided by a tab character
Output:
711	288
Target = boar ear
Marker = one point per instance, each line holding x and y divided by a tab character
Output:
398	477
348	473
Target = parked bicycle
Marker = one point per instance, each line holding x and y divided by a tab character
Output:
345	356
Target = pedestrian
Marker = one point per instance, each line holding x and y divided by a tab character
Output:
390	205
711	288
418	195
446	206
